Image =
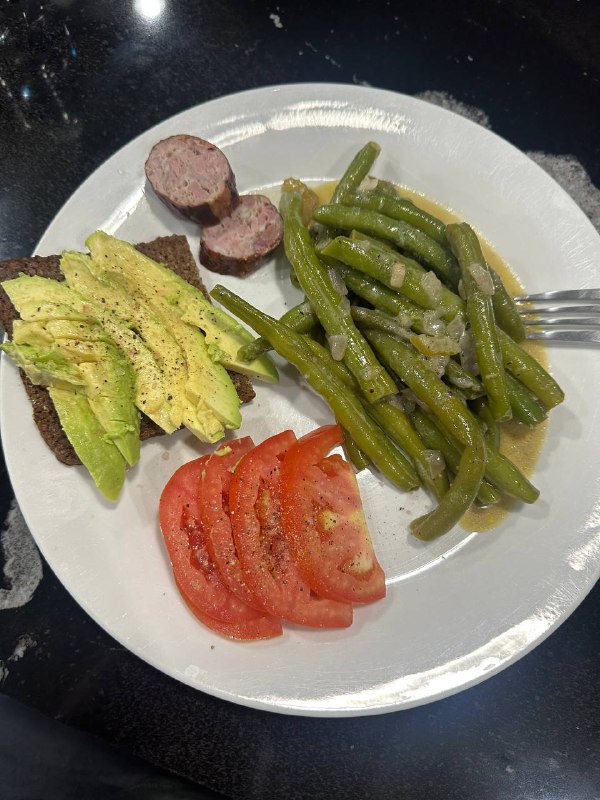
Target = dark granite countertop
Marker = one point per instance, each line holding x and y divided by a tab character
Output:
80	79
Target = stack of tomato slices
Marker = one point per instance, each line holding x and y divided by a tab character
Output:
272	532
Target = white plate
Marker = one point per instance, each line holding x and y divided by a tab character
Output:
458	610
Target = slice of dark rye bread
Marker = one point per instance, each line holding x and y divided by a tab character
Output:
174	251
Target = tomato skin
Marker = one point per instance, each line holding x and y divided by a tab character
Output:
216	480
267	565
195	574
261	627
324	522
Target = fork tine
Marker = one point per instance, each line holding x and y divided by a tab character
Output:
543	310
585	322
567	294
589	336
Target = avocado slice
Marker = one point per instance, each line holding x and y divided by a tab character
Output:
55	302
120	310
224	334
119	305
99	370
102	458
208	383
45	368
151	389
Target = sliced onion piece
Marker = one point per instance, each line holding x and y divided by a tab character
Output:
432	324
456	327
435	345
397	275
369	372
435	462
410	400
404	319
337	346
344	306
337	281
306	308
481	276
432	286
461	382
438	364
468	357
368	184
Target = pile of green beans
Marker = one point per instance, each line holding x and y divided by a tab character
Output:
430	364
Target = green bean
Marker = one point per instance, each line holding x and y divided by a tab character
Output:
381	263
387	188
357	170
530	372
431	390
466	248
345	404
391	419
300	318
526	408
505	311
491	429
458	499
469	385
383	298
354	453
294	280
373	318
455	418
397	425
435	439
404	236
453	415
327	303
504	475
401	209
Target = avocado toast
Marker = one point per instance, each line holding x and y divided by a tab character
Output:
182	273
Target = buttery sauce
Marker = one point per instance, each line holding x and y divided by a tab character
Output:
520	443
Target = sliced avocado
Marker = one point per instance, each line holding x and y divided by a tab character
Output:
224	334
208	382
45	368
102	458
106	376
151	389
37	298
118	310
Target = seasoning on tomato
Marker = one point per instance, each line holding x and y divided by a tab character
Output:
324	521
216	480
195	574
267	564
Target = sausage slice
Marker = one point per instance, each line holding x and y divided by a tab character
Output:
193	176
237	244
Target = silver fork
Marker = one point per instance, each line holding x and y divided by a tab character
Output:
572	315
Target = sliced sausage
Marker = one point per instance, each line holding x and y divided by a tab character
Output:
193	176
237	244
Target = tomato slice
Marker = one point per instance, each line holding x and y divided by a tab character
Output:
216	480
324	522
195	573
261	627
267	564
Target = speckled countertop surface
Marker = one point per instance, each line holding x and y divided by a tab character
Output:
80	79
